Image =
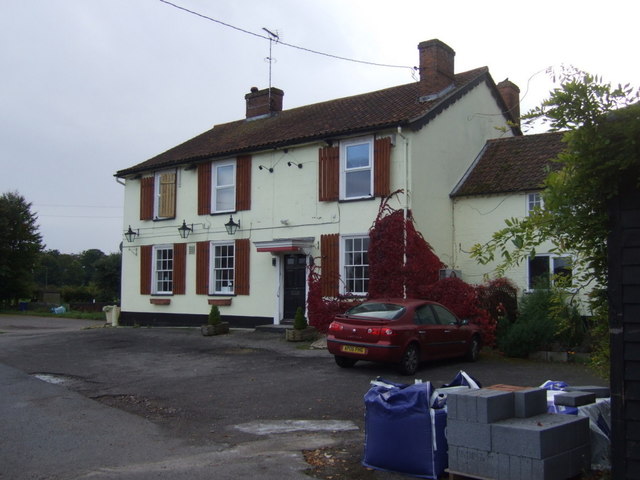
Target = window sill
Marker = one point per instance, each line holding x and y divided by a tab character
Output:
359	199
160	301
220	302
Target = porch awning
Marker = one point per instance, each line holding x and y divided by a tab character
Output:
284	245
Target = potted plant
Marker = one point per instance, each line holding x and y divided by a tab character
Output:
301	330
214	326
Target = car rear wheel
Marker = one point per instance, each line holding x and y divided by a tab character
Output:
474	349
410	360
345	362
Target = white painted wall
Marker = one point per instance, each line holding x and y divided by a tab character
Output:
441	153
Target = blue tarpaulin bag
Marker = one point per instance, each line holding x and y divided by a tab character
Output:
402	433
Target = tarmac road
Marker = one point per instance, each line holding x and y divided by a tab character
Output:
161	403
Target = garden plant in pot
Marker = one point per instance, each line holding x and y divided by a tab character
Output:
301	330
214	326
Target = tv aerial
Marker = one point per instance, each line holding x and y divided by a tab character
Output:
273	38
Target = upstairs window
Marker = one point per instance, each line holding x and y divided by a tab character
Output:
224	187
158	196
534	201
356	168
359	168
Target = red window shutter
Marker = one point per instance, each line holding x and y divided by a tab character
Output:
243	182
146	258
146	198
242	266
202	268
382	167
179	268
329	175
330	252
204	188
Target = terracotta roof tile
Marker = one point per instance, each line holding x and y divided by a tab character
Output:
350	115
512	164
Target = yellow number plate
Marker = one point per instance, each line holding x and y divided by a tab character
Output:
352	349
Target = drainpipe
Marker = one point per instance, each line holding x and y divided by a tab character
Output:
405	208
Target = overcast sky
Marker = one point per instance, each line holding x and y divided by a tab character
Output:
89	87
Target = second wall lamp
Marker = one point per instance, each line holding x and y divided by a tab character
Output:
185	230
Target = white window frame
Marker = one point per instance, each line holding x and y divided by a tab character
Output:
534	199
344	171
550	259
344	266
156	193
215	188
162	277
214	288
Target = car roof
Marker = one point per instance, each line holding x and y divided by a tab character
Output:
409	302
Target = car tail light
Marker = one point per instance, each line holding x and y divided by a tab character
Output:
335	327
388	331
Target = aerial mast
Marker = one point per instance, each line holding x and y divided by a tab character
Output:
273	37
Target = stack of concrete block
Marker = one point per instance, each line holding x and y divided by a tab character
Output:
508	435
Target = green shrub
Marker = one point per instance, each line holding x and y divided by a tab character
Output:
214	315
299	322
533	330
547	321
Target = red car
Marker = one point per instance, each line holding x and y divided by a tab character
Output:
402	331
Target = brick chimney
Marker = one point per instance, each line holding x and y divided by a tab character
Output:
436	66
510	93
263	102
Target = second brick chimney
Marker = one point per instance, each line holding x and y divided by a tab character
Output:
510	93
263	102
436	66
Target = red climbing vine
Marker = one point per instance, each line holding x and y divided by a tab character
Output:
391	275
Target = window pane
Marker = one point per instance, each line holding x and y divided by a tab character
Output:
539	272
358	183
562	268
357	156
225	175
225	199
445	317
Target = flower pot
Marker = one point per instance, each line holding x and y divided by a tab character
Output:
293	335
217	329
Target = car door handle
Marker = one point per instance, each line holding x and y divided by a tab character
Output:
422	331
447	331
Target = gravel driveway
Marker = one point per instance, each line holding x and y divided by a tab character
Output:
220	394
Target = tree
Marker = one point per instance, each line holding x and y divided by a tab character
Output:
107	276
602	126
20	245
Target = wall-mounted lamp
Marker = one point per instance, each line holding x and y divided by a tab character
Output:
299	165
262	167
184	230
131	235
232	226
